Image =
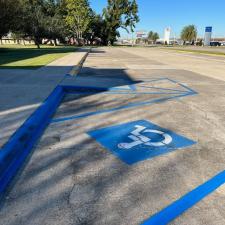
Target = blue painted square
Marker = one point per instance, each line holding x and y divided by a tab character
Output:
139	140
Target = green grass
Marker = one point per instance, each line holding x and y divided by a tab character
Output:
29	57
198	51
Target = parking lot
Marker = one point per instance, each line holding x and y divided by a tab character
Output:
138	130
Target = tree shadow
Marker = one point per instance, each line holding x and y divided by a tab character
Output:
79	179
21	93
71	179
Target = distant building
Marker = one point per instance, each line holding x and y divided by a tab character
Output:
167	33
10	39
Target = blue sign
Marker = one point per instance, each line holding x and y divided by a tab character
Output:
139	140
208	29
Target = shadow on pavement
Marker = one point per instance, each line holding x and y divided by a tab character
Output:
70	179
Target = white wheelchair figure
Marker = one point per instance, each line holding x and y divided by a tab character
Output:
139	139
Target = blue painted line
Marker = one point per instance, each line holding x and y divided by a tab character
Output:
77	89
178	207
153	79
166	89
191	90
166	78
133	87
125	93
18	147
120	88
120	108
173	81
71	89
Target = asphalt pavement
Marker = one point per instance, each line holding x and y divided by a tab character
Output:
119	156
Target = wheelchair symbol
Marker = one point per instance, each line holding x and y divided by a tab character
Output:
139	139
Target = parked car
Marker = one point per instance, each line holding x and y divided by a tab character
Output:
215	43
222	43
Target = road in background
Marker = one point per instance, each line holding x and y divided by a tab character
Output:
200	48
208	65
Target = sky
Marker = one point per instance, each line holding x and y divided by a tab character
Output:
157	15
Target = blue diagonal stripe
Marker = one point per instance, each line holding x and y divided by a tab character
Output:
178	207
158	100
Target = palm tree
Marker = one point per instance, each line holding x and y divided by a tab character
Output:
189	33
153	36
150	35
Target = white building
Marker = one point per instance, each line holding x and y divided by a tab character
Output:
167	33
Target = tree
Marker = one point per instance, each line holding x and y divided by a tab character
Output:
17	35
8	9
31	20
96	30
119	14
189	33
153	36
78	16
150	35
39	19
55	27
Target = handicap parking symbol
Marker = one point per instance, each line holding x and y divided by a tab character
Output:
139	140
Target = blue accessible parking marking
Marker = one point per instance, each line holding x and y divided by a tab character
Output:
139	140
178	207
123	88
156	89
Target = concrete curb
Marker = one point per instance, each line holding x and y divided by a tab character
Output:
15	151
75	70
20	144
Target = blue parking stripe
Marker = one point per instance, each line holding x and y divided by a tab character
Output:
178	207
127	93
166	89
133	87
158	100
100	90
152	79
20	144
185	86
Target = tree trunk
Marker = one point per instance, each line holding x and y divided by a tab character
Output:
36	41
111	42
55	42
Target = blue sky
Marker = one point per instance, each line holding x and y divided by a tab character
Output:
156	15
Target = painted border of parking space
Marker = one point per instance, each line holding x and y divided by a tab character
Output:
176	95
178	207
16	150
20	144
